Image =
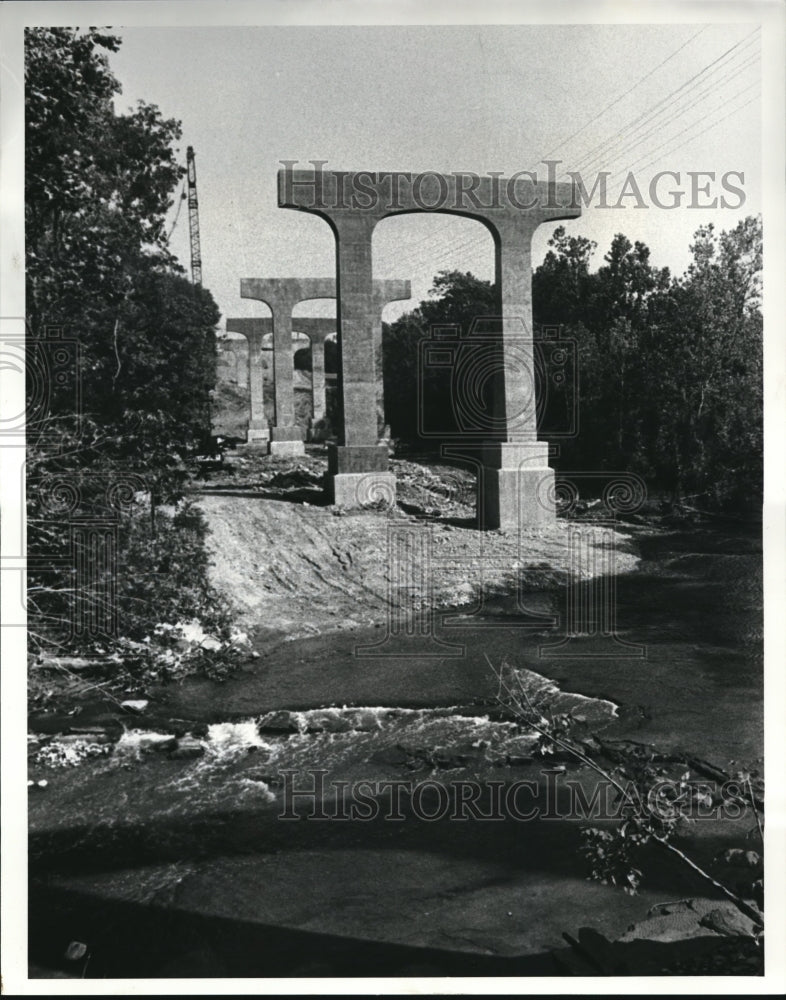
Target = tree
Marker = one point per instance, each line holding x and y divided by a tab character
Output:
158	378
560	285
98	187
704	365
457	300
606	314
669	369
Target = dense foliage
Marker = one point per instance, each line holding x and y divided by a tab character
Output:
668	371
121	353
302	358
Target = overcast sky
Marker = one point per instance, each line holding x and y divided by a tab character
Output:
446	98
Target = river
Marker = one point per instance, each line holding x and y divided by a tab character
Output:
184	867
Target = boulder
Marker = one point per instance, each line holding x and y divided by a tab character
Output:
278	723
728	920
134	705
735	857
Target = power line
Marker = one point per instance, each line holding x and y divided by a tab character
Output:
676	135
426	245
645	118
690	106
589	156
476	242
713	125
625	94
458	245
408	252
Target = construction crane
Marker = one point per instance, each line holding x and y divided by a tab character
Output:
193	219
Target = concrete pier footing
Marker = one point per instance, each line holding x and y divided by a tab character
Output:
359	476
518	486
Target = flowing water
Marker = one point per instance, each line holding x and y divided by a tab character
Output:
130	827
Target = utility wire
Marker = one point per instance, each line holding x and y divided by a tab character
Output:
452	247
713	125
693	124
592	154
416	254
457	245
690	106
624	95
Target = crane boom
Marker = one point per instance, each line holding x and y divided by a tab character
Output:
193	219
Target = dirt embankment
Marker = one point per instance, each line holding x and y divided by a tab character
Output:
294	566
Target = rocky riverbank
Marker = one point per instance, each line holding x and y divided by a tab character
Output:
157	843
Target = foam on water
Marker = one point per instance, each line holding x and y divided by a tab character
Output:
133	742
327	737
226	739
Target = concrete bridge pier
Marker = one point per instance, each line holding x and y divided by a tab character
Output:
517	482
281	295
254	330
318	404
358	471
317	329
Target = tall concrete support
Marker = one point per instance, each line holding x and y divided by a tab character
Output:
239	350
254	330
384	291
226	359
232	354
258	334
317	329
318	399
281	295
515	463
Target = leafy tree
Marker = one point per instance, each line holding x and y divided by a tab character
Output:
455	300
623	286
605	313
157	378
302	358
704	372
670	369
98	187
560	284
